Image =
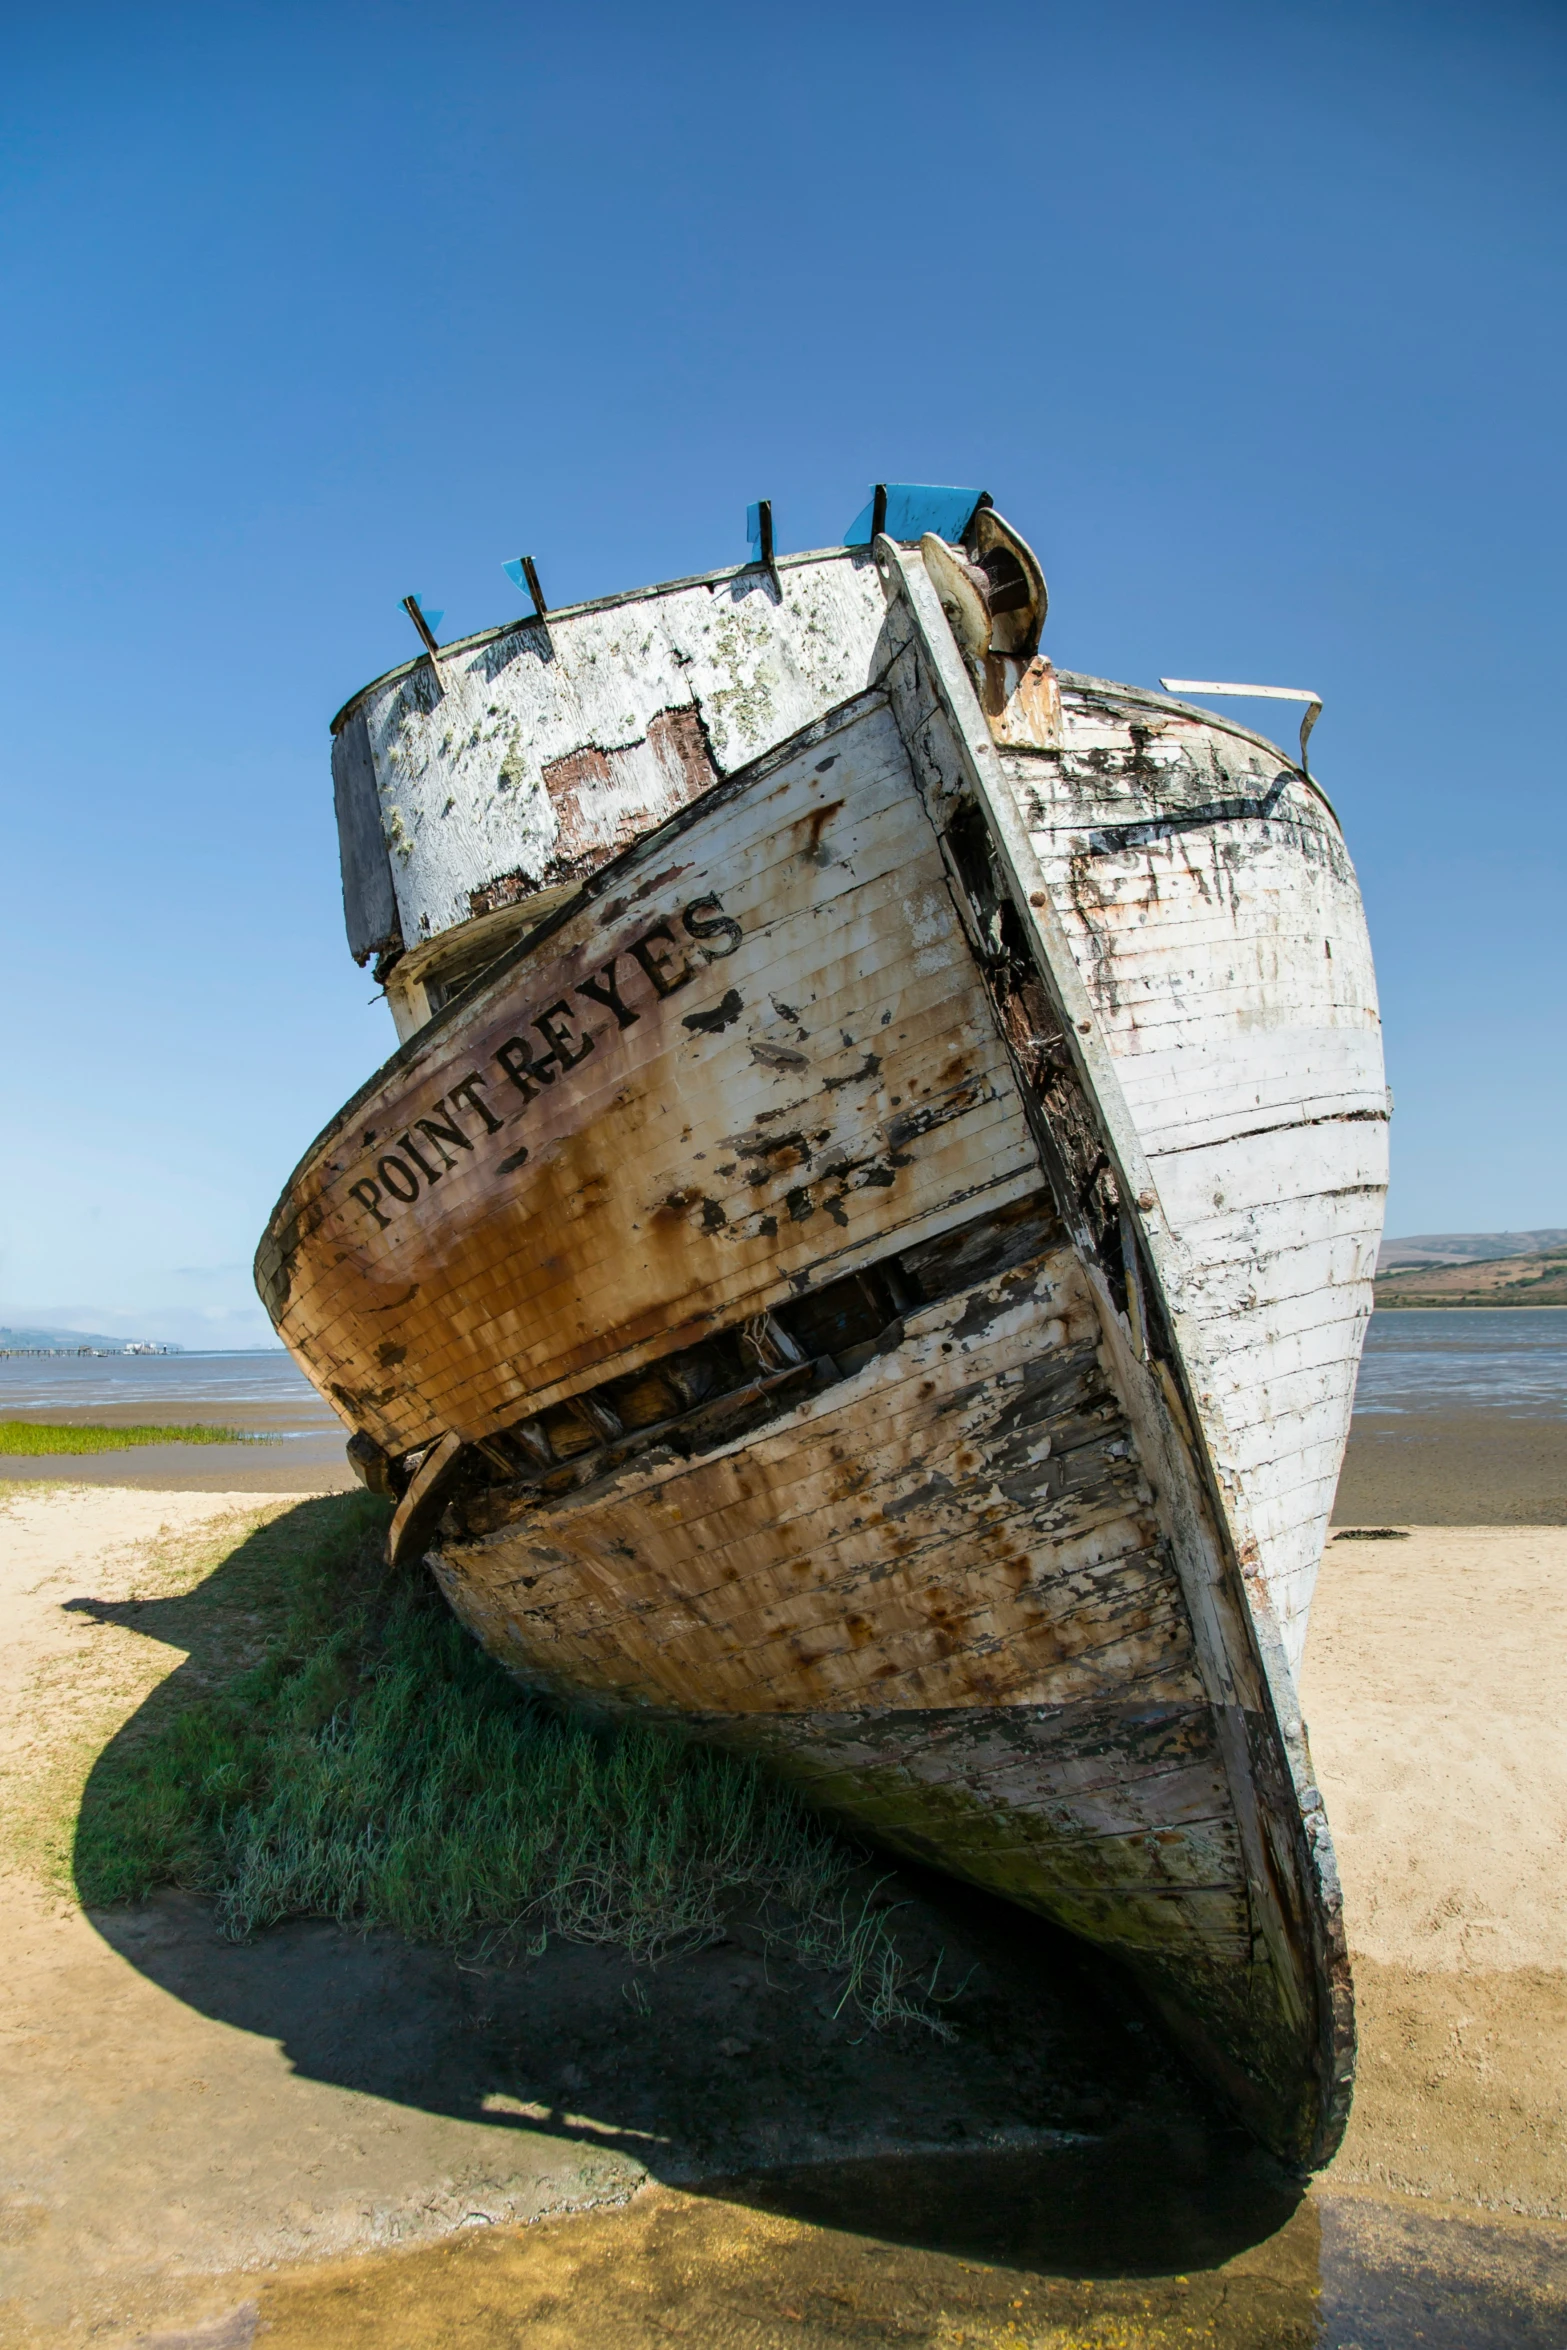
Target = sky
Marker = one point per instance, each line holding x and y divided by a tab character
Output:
1249	315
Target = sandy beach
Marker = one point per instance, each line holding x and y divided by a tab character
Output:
189	2151
1435	1679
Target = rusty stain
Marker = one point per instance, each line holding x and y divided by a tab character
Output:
813	826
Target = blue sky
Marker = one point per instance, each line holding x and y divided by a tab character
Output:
1251	316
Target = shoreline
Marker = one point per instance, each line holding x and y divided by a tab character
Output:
1484	1465
200	2129
306	1456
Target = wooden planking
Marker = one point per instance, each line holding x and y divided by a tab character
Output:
1223	1010
1230	966
1301	1398
1275	1417
1160	1017
1297	1330
1219	889
665	1586
369	899
1154	973
1215	1067
1160	998
550	746
1217	1182
794	860
1309	1403
1160	762
1306	1224
1289	1292
1293	1465
1186	1106
1296	1836
910	1492
903	1383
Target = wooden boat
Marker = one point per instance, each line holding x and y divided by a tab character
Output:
874	1271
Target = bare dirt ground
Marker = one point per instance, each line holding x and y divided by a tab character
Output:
204	2142
1538	1278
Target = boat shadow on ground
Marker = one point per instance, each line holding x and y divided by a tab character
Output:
1054	2129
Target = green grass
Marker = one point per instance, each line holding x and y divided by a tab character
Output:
39	1438
377	1768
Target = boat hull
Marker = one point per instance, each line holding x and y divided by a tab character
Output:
1216	924
937	1593
762	1278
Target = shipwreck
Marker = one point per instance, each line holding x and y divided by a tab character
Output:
863	1247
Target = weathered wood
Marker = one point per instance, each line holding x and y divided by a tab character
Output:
369	900
551	746
856	1087
1229	967
706	1235
419	1512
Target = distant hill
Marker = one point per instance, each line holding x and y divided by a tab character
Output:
66	1341
1465	1248
1538	1277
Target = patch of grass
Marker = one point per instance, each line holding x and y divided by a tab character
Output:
377	1768
39	1438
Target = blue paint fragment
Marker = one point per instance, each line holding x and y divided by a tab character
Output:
753	531
914	507
518	577
432	620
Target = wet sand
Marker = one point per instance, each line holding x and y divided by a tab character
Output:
1482	1467
978	2256
202	2139
301	1449
1491	1463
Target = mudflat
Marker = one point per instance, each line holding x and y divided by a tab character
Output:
1482	1467
301	1449
1455	1468
346	2140
1485	1465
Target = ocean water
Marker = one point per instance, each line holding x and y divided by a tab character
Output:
206	1382
1507	1358
1510	1358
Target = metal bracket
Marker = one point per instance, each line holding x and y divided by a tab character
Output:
522	574
411	607
1261	693
759	526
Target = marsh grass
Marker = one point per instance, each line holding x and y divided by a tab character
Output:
39	1439
377	1768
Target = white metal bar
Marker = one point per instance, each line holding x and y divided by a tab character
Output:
1265	693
